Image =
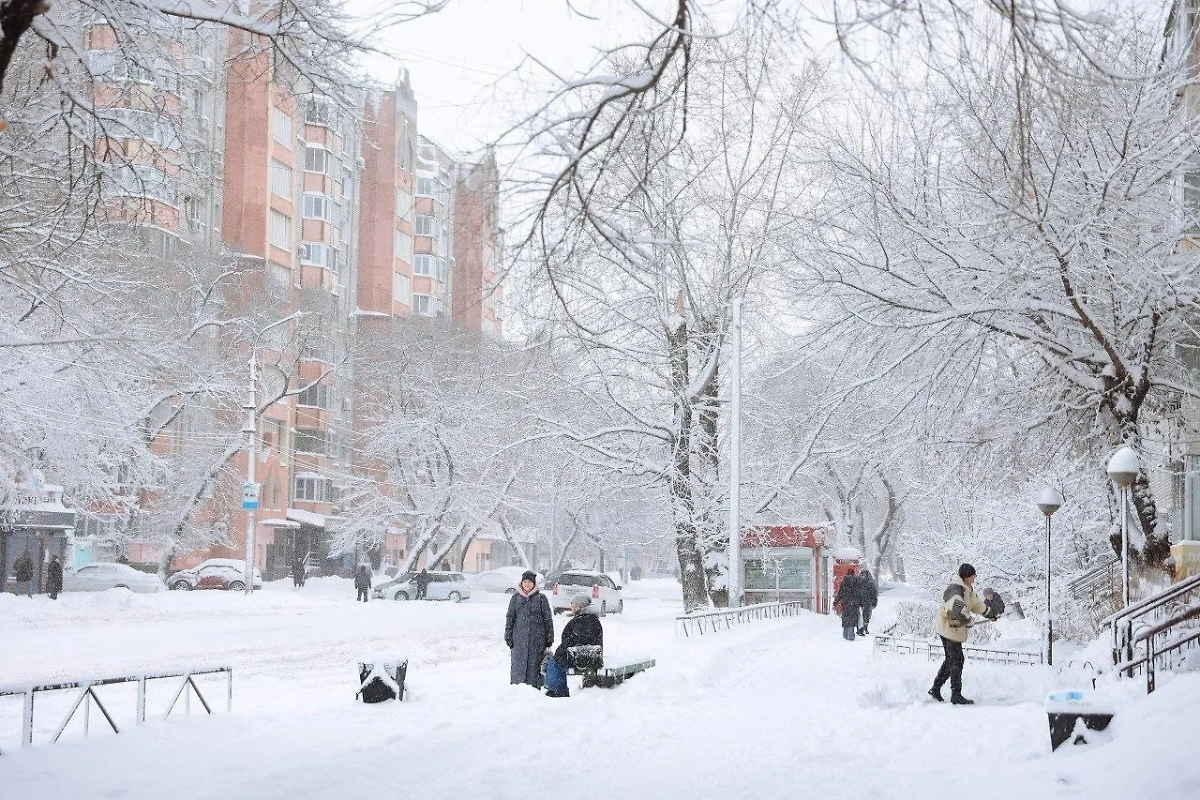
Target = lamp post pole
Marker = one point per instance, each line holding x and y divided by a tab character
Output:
734	550
1048	502
1123	470
250	490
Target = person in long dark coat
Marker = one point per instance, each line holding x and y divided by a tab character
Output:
528	631
54	577
848	602
362	582
422	581
297	572
23	570
869	593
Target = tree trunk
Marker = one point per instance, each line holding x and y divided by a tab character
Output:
1156	548
691	569
713	535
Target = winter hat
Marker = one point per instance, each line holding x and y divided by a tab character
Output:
581	600
529	575
966	571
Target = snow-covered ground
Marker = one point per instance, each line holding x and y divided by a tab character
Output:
771	710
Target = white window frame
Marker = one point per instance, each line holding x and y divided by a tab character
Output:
315	200
424	305
402	247
326	158
280	230
426	225
402	289
424	264
282	128
281	179
316	489
318	254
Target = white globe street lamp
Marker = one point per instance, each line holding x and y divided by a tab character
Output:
1048	502
1123	470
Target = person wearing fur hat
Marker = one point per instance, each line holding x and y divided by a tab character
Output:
584	628
954	621
528	631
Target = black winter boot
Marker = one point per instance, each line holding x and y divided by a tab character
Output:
936	694
958	700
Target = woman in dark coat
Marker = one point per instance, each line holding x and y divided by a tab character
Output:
54	577
528	631
362	582
584	628
869	592
848	602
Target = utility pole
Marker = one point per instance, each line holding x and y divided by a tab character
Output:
734	549
250	488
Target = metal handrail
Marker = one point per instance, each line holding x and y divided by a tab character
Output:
934	650
87	696
1149	611
725	618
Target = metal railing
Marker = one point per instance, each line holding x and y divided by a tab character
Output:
87	696
1100	583
934	650
1163	644
719	619
1127	623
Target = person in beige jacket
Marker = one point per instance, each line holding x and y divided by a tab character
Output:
954	620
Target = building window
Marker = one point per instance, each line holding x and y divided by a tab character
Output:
317	253
281	127
281	179
309	440
426	225
426	187
403	246
313	488
315	396
424	305
423	265
316	159
281	230
403	204
318	206
402	290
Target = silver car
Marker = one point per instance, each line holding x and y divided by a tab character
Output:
97	577
450	586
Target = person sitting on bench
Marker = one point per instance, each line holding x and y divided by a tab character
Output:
584	628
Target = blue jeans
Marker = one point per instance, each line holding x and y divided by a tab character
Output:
848	633
556	679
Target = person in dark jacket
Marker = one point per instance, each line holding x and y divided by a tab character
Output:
297	572
528	631
869	593
993	604
584	628
848	602
54	577
362	582
23	570
422	581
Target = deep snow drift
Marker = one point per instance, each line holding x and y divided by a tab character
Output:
771	710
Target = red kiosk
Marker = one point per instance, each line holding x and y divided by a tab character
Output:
782	563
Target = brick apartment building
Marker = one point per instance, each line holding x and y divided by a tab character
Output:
334	206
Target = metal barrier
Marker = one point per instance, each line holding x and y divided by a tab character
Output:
934	650
1164	644
87	696
1128	623
725	618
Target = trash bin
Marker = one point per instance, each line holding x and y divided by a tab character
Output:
381	679
1077	715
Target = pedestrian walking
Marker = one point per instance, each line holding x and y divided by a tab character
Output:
869	592
362	582
422	580
23	570
297	573
528	631
444	566
848	601
583	629
954	621
54	577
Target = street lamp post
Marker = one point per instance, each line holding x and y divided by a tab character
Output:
1123	470
1048	502
734	549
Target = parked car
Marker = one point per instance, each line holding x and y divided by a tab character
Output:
187	579
450	586
98	576
501	579
605	592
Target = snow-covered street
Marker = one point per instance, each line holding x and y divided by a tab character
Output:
773	709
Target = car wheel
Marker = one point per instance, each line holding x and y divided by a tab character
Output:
455	597
603	607
237	586
120	586
558	611
181	586
620	606
400	596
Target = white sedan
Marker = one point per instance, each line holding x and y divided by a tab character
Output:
98	577
502	579
604	591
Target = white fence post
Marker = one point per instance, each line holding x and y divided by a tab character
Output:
27	719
